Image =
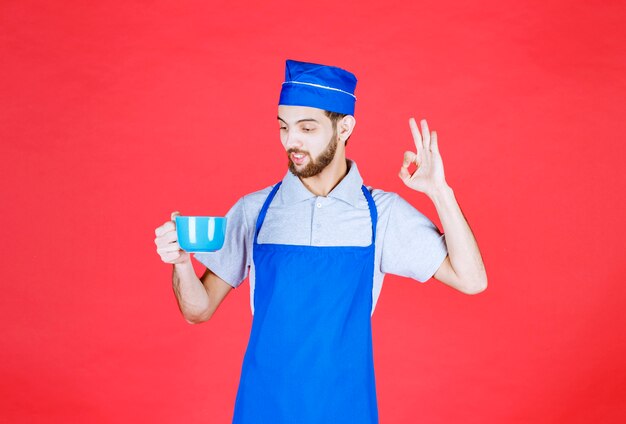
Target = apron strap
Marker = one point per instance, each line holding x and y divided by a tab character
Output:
373	211
270	197
263	212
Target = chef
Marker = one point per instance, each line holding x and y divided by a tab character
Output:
316	247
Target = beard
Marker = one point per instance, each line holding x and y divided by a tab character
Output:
317	165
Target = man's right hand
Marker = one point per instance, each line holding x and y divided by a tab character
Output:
167	243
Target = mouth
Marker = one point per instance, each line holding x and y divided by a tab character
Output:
298	158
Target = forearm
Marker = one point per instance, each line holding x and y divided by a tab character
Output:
192	297
463	250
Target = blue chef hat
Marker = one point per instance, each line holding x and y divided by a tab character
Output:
324	87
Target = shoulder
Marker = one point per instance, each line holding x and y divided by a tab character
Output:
393	207
256	197
383	200
250	204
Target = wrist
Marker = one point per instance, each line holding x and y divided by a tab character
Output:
183	267
440	193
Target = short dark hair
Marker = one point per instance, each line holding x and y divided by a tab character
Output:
334	118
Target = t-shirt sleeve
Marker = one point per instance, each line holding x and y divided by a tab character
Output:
413	247
230	263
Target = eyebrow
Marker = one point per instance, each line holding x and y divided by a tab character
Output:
301	120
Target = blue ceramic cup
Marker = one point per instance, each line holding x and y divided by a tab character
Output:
200	233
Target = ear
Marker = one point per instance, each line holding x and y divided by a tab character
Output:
345	127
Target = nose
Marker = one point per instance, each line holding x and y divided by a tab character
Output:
292	140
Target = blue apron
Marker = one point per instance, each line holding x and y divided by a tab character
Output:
309	357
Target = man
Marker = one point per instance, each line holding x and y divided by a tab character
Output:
317	246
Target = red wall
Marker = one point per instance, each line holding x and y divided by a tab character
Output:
113	114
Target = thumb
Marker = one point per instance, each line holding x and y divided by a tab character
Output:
174	215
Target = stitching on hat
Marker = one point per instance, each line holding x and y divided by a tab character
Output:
320	86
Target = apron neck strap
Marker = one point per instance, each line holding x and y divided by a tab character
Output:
373	211
264	209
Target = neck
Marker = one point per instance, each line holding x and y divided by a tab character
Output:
324	182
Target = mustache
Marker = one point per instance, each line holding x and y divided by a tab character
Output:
294	150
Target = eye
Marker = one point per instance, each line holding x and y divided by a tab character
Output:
283	128
307	129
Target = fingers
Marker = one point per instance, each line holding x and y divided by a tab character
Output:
171	247
170	252
167	227
167	242
167	246
416	135
172	257
434	146
409	157
166	238
425	134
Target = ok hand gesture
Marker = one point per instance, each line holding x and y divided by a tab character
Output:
428	177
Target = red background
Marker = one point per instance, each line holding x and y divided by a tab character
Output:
114	114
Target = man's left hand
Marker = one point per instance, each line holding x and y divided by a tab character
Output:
428	177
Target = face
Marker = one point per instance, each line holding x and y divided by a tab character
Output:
308	137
